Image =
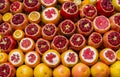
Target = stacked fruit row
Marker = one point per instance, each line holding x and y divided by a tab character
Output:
45	38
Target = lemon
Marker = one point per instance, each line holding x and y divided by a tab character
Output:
7	16
116	5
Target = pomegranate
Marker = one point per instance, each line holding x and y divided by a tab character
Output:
105	7
7	70
42	46
19	21
89	11
95	39
4	6
60	43
69	10
111	39
31	5
5	29
49	3
101	24
7	43
77	42
114	22
49	31
84	26
67	27
33	31
16	7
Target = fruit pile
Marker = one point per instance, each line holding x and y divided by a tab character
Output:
59	38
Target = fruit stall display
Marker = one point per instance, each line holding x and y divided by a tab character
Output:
59	38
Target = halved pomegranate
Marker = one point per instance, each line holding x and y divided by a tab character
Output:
49	31
111	39
107	56
89	11
7	70
77	42
88	55
16	57
5	28
26	44
19	21
101	24
31	5
105	7
32	58
51	58
95	39
42	46
33	31
49	3
16	7
69	10
67	27
69	58
50	15
60	43
7	43
4	6
84	26
114	22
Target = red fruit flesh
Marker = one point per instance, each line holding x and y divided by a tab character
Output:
109	54
96	38
50	57
31	58
26	43
50	13
31	3
4	6
32	29
71	58
48	1
88	54
15	58
18	19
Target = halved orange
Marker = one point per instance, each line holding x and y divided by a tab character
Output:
7	16
118	54
3	57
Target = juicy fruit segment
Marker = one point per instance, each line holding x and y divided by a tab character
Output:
84	26
108	56
69	58
7	16
49	31
80	70
49	3
42	46
114	69
116	4
42	70
60	43
32	59
34	17
26	44
89	11
69	10
111	39
24	71
61	71
3	57
100	69
88	55
50	15
5	5
101	24
118	54
67	27
95	39
51	58
77	41
7	70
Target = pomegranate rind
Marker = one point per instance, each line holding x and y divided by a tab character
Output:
64	57
56	60
36	62
91	43
105	59
55	19
114	26
60	50
19	53
53	4
51	36
89	62
102	31
76	47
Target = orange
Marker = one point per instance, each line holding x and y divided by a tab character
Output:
7	16
34	17
3	57
24	71
0	17
18	34
118	54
